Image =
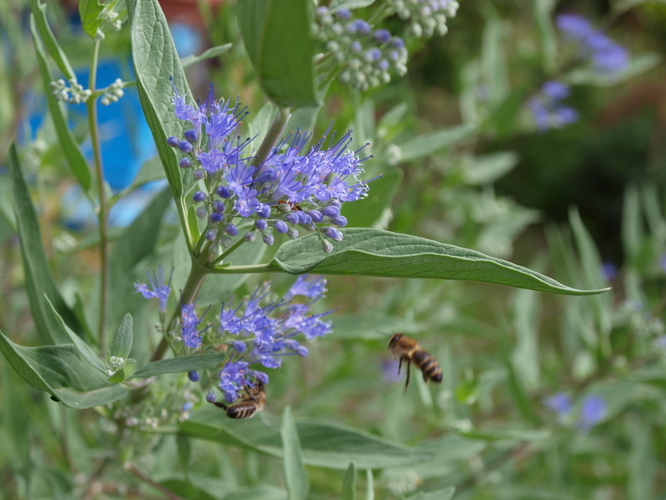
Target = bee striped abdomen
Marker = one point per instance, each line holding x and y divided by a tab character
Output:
428	365
242	410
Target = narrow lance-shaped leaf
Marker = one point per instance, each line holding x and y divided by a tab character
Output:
373	252
445	494
70	148
39	13
83	348
349	484
295	476
89	10
122	343
208	54
276	34
61	371
323	445
39	281
156	63
181	364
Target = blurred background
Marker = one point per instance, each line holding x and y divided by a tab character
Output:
544	397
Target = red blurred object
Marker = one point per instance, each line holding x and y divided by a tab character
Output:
186	11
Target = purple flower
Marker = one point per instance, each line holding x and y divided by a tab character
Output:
606	56
159	290
547	108
390	370
312	289
558	403
591	412
190	321
608	271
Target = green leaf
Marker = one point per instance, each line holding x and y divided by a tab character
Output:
445	494
350	4
425	145
122	343
150	171
370	485
349	483
543	15
155	63
39	281
39	15
366	212
83	348
63	372
323	445
186	489
89	10
295	476
208	54
181	364
486	169
637	65
276	34
494	68
527	435
262	492
70	148
373	252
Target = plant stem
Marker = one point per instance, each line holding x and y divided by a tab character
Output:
169	494
272	136
229	250
91	104
197	275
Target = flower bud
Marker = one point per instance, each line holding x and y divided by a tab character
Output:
281	227
238	346
218	206
223	192
185	163
250	236
199	196
264	211
211	234
315	215
292	233
199	174
340	221
216	217
268	238
326	245
173	141
331	211
231	230
185	147
191	135
261	224
210	397
193	376
201	212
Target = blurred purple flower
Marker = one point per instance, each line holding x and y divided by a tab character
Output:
606	56
608	271
662	262
547	108
558	403
591	412
390	370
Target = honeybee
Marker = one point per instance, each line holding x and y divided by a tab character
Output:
410	351
252	402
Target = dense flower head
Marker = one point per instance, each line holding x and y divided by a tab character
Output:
294	187
366	56
260	330
158	289
426	17
547	108
607	56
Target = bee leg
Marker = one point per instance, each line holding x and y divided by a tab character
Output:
400	365
220	405
409	364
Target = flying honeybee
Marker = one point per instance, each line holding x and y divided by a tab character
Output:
410	351
252	402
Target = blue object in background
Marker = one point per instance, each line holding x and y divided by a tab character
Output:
126	140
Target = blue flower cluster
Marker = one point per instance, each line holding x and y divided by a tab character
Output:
607	57
427	16
593	409
292	188
547	108
366	55
260	330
